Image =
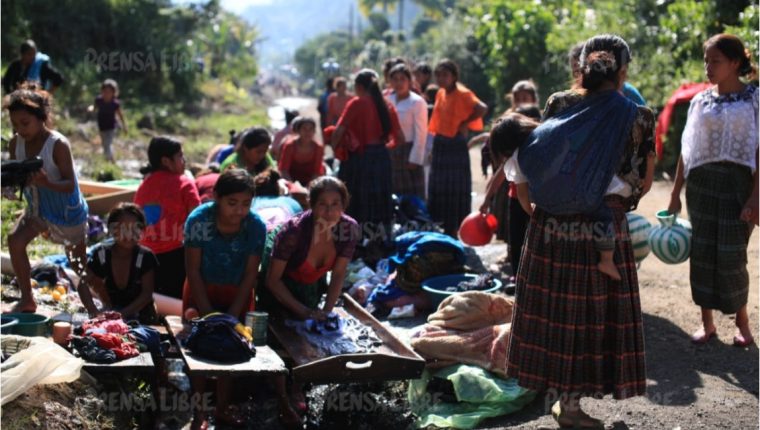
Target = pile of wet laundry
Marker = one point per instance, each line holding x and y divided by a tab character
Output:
108	339
337	335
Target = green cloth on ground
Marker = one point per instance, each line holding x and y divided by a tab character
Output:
481	395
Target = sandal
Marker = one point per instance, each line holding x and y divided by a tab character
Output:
579	421
701	337
742	341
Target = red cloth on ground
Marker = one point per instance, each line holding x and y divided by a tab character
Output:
683	94
122	348
171	197
109	321
361	118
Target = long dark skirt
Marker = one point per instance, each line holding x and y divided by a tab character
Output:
518	224
715	196
500	209
450	188
406	181
368	177
170	273
574	330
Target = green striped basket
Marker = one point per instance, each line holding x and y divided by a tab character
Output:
671	240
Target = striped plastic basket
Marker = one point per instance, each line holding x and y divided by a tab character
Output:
671	240
639	228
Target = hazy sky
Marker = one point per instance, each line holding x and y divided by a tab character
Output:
237	6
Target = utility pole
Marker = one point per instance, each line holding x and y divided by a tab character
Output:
401	16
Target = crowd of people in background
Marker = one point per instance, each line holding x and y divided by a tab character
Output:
266	217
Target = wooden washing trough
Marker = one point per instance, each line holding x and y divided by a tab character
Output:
392	361
105	196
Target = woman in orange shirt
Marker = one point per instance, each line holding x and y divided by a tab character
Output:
457	110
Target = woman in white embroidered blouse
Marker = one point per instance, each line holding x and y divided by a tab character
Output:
718	163
408	158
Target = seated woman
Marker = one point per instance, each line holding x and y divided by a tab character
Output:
270	203
123	271
301	158
223	244
251	152
303	250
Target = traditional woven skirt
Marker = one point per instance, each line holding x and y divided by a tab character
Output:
574	330
449	199
406	182
368	177
715	196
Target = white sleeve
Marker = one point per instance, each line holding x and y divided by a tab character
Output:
419	110
512	170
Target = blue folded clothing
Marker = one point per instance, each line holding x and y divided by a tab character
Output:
421	242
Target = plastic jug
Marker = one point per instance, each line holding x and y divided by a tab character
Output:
477	229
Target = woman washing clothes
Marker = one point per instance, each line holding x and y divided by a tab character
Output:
297	256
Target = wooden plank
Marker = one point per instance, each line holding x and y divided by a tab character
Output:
92	187
393	360
140	363
102	204
266	360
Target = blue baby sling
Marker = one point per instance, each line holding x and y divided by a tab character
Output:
570	159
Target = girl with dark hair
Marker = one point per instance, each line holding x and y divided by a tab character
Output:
270	203
501	197
166	196
224	240
561	293
457	110
297	257
718	163
55	205
408	157
301	158
367	172
509	203
251	152
108	107
124	269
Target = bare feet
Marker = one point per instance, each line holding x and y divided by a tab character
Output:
703	335
25	306
609	269
576	419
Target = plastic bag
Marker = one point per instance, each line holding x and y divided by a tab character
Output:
480	393
43	362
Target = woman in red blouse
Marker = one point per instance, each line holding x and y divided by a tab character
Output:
373	123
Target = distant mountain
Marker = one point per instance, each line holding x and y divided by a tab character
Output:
285	25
